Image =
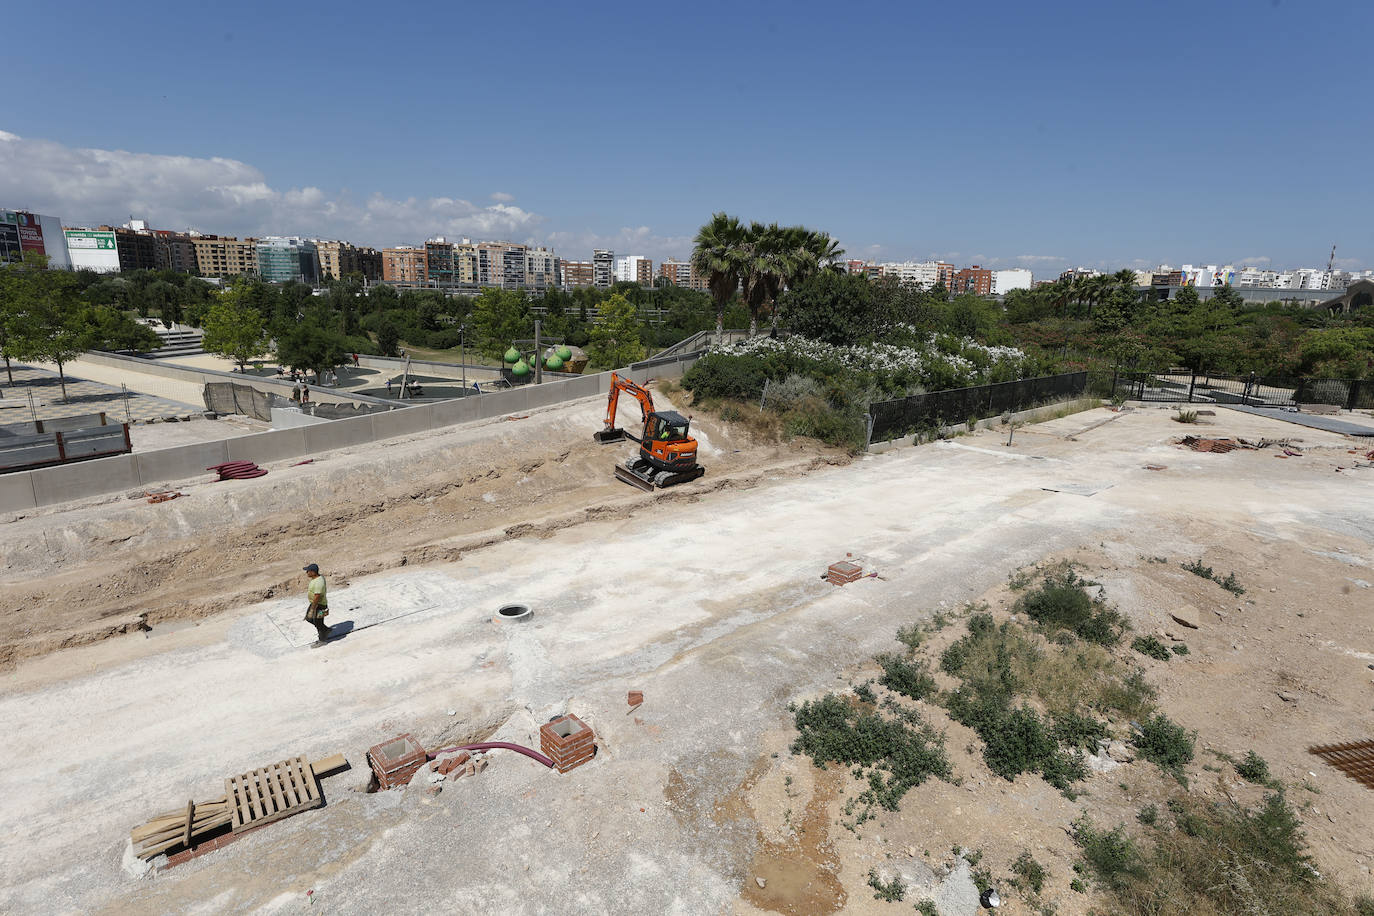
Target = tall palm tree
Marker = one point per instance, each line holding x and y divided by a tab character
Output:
717	255
766	264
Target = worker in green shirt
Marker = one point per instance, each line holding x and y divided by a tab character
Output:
317	592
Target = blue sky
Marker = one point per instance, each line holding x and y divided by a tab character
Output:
1009	134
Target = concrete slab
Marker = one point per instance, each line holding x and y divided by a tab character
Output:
403	422
16	492
495	405
339	434
84	478
178	463
273	446
1330	424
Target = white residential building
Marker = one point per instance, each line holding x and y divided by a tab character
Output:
1004	281
634	268
913	273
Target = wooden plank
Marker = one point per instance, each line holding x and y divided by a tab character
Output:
190	815
289	786
328	765
275	788
308	779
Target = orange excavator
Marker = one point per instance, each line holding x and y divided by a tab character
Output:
667	452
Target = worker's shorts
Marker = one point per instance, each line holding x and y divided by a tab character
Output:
318	613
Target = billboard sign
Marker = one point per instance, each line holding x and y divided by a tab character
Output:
30	233
92	250
9	236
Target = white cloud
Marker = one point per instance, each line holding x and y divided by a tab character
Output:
502	197
639	240
229	197
1040	258
1253	261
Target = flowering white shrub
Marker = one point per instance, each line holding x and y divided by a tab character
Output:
938	360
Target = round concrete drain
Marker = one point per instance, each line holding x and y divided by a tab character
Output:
515	613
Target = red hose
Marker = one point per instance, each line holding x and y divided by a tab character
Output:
488	745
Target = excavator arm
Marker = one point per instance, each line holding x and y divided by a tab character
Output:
611	432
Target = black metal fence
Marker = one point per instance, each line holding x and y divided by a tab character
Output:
900	417
1184	386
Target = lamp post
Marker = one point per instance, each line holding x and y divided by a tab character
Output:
463	355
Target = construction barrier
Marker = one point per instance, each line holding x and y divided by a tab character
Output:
902	416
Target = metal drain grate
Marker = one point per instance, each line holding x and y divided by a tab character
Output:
1355	759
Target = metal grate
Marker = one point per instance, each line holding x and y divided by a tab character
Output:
1355	759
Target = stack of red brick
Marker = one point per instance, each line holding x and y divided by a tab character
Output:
843	572
394	762
460	765
567	741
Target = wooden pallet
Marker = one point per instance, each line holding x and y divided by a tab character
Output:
1355	759
272	793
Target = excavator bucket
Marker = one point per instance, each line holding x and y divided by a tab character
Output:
614	434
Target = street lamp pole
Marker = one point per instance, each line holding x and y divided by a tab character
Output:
463	358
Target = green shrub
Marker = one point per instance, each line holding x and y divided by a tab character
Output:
1030	874
1165	743
892	891
1151	646
1253	768
1149	815
1186	416
1197	569
719	376
911	636
927	908
865	692
901	754
1060	603
908	678
1179	648
1110	855
1074	730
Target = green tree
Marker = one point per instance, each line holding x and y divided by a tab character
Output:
234	329
388	337
101	327
311	344
717	255
832	307
46	326
500	316
615	338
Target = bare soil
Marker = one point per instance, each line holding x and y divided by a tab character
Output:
83	572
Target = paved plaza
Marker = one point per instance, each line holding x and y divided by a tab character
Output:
83	397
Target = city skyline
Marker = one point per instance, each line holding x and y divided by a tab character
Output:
1073	135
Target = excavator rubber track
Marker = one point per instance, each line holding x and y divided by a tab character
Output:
639	473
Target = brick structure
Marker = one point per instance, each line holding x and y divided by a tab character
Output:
567	741
636	698
395	761
843	572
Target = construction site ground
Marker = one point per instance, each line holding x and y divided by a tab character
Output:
152	650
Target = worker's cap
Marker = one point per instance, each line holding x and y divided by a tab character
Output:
313	567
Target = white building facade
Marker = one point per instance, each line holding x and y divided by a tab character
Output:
1004	281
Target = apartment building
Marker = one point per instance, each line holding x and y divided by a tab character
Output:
634	268
541	268
576	273
975	279
225	256
137	250
283	259
440	261
603	268
174	251
678	273
404	265
338	259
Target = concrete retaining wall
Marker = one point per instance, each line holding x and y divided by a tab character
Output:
24	490
201	376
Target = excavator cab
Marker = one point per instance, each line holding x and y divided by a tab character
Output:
668	426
